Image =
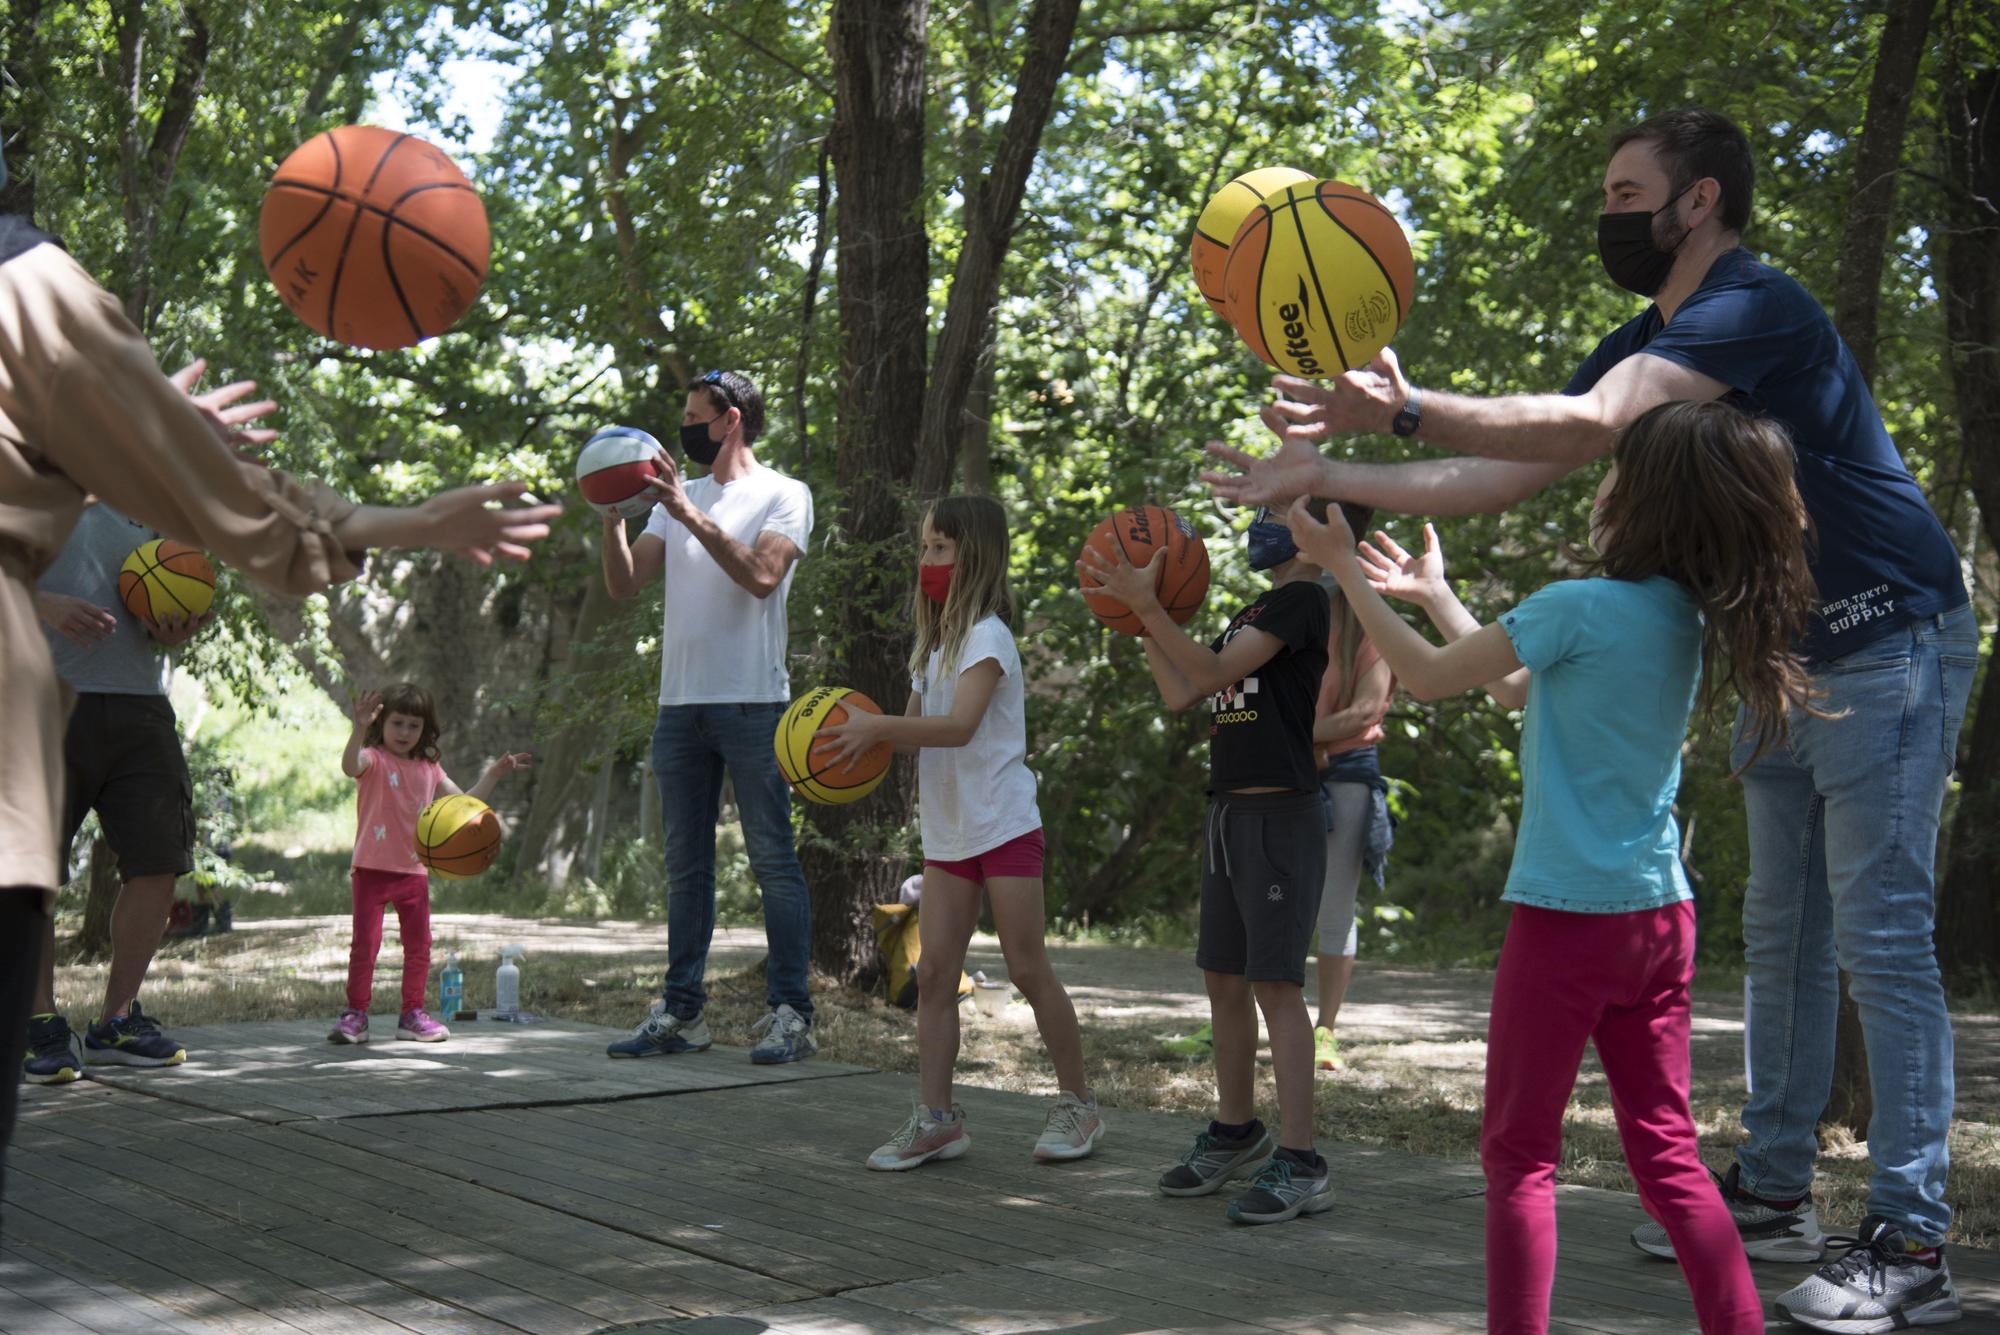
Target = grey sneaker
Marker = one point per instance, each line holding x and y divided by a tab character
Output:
1880	1285
787	1037
1282	1190
1213	1162
1785	1231
662	1034
1072	1130
922	1139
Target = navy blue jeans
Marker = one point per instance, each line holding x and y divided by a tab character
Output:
692	746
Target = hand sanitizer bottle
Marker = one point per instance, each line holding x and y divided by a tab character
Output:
451	989
507	982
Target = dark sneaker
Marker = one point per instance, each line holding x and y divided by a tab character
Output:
1213	1162
51	1058
1282	1190
130	1040
1772	1230
662	1034
787	1037
1880	1285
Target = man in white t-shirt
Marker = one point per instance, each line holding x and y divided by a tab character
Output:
725	545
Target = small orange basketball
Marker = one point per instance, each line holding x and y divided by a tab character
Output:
458	836
164	576
1183	578
374	238
811	773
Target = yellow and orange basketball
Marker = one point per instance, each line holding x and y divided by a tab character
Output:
1220	218
374	238
1319	278
814	776
164	576
1183	577
458	836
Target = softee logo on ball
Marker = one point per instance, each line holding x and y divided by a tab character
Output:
1296	319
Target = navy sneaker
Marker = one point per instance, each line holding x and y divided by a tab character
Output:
787	1037
662	1034
1283	1190
51	1058
131	1039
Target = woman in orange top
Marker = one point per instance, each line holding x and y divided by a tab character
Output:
1347	722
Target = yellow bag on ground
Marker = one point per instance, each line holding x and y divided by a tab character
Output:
896	941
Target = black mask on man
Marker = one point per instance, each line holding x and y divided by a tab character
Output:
696	443
1631	256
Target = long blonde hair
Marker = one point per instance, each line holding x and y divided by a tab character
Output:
978	586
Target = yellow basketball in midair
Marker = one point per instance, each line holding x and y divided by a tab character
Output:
1320	277
164	576
457	836
815	777
1225	211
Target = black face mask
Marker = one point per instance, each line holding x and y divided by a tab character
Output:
1631	257
696	444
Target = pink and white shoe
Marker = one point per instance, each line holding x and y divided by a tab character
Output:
922	1139
1072	1132
351	1027
418	1027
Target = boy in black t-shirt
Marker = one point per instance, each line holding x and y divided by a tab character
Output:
1263	859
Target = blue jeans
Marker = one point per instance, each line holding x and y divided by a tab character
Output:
692	745
1843	841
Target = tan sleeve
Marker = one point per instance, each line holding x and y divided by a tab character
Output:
116	425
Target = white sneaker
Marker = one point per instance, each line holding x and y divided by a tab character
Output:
921	1139
1879	1285
787	1037
1072	1132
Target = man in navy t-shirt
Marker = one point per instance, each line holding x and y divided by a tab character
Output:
1844	820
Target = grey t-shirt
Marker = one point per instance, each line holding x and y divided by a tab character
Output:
128	661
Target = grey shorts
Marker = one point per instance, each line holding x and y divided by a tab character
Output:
1262	867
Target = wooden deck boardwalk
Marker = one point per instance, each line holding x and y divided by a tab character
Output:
516	1180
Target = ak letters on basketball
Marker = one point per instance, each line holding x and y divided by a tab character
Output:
1260	735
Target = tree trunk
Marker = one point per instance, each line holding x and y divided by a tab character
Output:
883	274
1857	297
1968	931
94	940
1877	163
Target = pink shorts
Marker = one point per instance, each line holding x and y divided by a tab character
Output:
1019	856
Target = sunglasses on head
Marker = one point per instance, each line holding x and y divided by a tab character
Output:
714	380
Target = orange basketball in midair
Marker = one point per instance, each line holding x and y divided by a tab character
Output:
373	237
1183	579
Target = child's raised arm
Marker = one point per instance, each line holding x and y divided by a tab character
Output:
354	760
1202	671
1395	573
1426	671
498	770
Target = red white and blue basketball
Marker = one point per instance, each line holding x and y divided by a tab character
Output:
614	468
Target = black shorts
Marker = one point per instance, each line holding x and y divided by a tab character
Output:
124	761
1263	864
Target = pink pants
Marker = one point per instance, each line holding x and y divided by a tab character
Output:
410	892
1619	980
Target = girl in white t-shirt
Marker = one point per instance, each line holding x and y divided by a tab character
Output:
967	721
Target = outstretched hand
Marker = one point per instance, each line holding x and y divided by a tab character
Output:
1395	573
228	422
1325	544
1135	586
366	707
1315	411
473	522
509	762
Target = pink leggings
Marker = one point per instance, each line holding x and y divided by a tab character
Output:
1619	980
410	892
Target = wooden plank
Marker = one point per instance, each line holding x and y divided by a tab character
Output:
389	1225
94	1303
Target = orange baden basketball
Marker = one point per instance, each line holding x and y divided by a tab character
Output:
373	237
811	773
1183	579
457	836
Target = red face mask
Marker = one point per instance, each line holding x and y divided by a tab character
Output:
935	581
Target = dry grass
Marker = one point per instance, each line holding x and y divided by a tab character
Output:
1413	1081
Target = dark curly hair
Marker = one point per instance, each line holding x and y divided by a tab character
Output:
406	697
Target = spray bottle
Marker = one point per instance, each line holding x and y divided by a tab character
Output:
507	982
451	989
